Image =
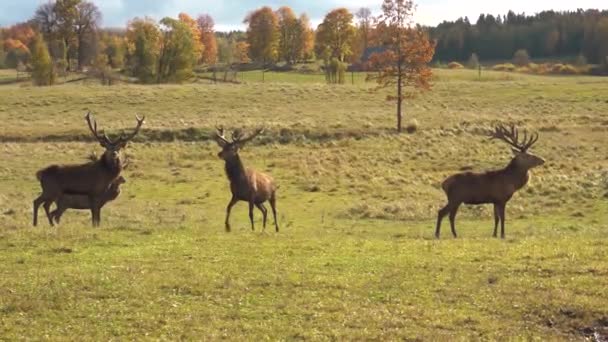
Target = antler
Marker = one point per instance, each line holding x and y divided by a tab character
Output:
511	137
219	136
125	139
103	139
236	136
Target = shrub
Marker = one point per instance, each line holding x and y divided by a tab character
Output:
521	58
438	65
473	62
566	69
412	126
335	71
504	67
455	65
580	61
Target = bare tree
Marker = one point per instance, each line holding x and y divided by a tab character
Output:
87	20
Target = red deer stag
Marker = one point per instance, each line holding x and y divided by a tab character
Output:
91	179
245	184
81	202
496	187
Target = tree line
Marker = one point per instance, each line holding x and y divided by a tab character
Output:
547	34
65	35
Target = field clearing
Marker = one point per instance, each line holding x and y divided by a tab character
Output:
355	258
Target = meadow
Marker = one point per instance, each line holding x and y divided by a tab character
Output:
356	257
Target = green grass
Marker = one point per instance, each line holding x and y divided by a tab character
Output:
355	258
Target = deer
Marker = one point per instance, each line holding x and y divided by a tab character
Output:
81	202
245	184
492	187
91	179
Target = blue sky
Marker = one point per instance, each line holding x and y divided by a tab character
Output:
229	14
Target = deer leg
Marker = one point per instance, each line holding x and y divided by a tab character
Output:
233	201
56	216
501	212
251	214
273	206
47	209
440	215
95	211
496	220
453	213
264	213
37	202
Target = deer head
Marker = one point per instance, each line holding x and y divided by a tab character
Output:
113	147
231	147
520	148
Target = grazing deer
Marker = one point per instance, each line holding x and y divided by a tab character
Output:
245	184
496	187
82	202
91	179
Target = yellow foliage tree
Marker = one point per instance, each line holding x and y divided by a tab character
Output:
192	24
263	35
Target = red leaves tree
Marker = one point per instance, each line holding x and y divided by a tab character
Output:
206	26
404	63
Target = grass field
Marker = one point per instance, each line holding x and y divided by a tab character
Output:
355	258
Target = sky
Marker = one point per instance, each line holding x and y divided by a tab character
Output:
229	14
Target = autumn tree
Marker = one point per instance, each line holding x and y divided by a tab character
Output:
306	38
16	41
263	35
42	66
241	52
289	37
114	49
404	63
144	40
177	54
206	27
196	34
335	34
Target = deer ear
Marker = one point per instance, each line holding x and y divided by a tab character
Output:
515	152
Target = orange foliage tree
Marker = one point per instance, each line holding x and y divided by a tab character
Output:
335	35
306	38
206	27
263	35
408	51
289	44
192	24
241	52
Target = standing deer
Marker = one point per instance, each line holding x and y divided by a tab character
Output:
67	201
496	187
245	184
91	179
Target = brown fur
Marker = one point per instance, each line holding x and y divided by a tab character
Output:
246	184
492	187
90	179
81	202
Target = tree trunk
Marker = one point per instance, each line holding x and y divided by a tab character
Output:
399	100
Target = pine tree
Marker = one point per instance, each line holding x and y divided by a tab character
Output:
43	73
